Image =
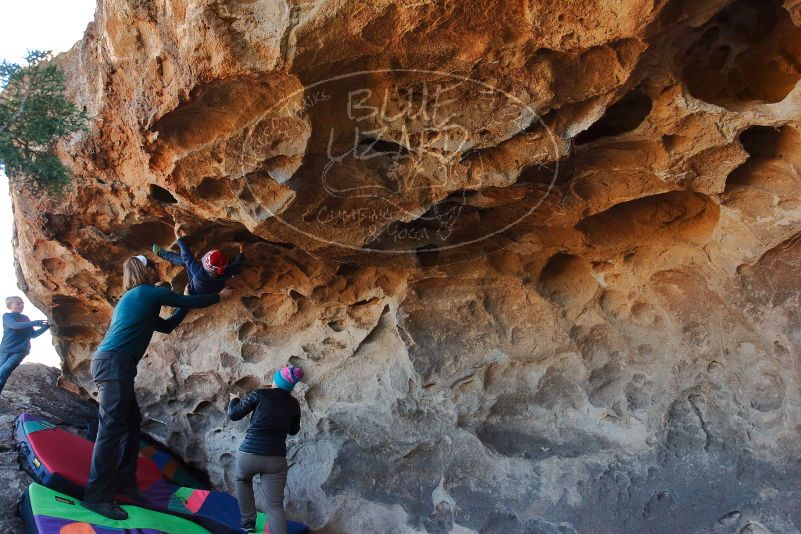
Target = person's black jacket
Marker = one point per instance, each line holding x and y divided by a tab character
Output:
276	413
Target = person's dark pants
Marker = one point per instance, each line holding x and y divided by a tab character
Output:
8	362
175	259
170	256
117	444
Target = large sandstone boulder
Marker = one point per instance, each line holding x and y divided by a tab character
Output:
538	258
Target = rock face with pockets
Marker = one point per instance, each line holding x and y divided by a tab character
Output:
538	258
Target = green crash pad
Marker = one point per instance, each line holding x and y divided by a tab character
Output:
48	511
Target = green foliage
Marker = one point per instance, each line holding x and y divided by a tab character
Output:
34	113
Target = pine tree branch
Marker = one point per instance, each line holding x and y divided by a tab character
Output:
18	113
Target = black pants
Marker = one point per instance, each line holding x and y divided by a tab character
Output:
117	445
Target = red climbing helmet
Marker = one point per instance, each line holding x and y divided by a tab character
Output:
215	262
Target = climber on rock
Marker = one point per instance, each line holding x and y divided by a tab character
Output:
135	319
208	275
18	331
276	414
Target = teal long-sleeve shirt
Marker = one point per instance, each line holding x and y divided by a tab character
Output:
136	317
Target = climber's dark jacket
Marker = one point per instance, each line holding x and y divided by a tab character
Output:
200	281
276	413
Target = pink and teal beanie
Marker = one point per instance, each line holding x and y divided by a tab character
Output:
287	378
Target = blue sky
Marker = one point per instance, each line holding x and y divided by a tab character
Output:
46	25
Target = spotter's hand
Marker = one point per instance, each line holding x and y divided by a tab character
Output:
226	293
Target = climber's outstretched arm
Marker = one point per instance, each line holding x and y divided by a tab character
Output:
186	252
295	427
41	330
165	326
237	409
169	298
235	267
10	323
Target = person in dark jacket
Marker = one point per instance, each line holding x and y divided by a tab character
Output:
18	331
208	275
135	319
276	414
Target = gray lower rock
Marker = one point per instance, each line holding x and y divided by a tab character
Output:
32	388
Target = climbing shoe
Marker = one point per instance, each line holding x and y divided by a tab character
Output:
157	250
107	509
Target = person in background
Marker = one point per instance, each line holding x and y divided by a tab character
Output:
276	414
18	331
135	319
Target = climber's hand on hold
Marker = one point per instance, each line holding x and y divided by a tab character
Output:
241	248
226	293
178	228
232	396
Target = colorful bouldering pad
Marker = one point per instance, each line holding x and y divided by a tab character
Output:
45	511
172	469
61	460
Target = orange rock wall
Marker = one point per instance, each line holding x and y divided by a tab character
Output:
538	258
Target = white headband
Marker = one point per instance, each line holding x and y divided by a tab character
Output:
142	259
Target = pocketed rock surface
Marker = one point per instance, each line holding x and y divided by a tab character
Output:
539	259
